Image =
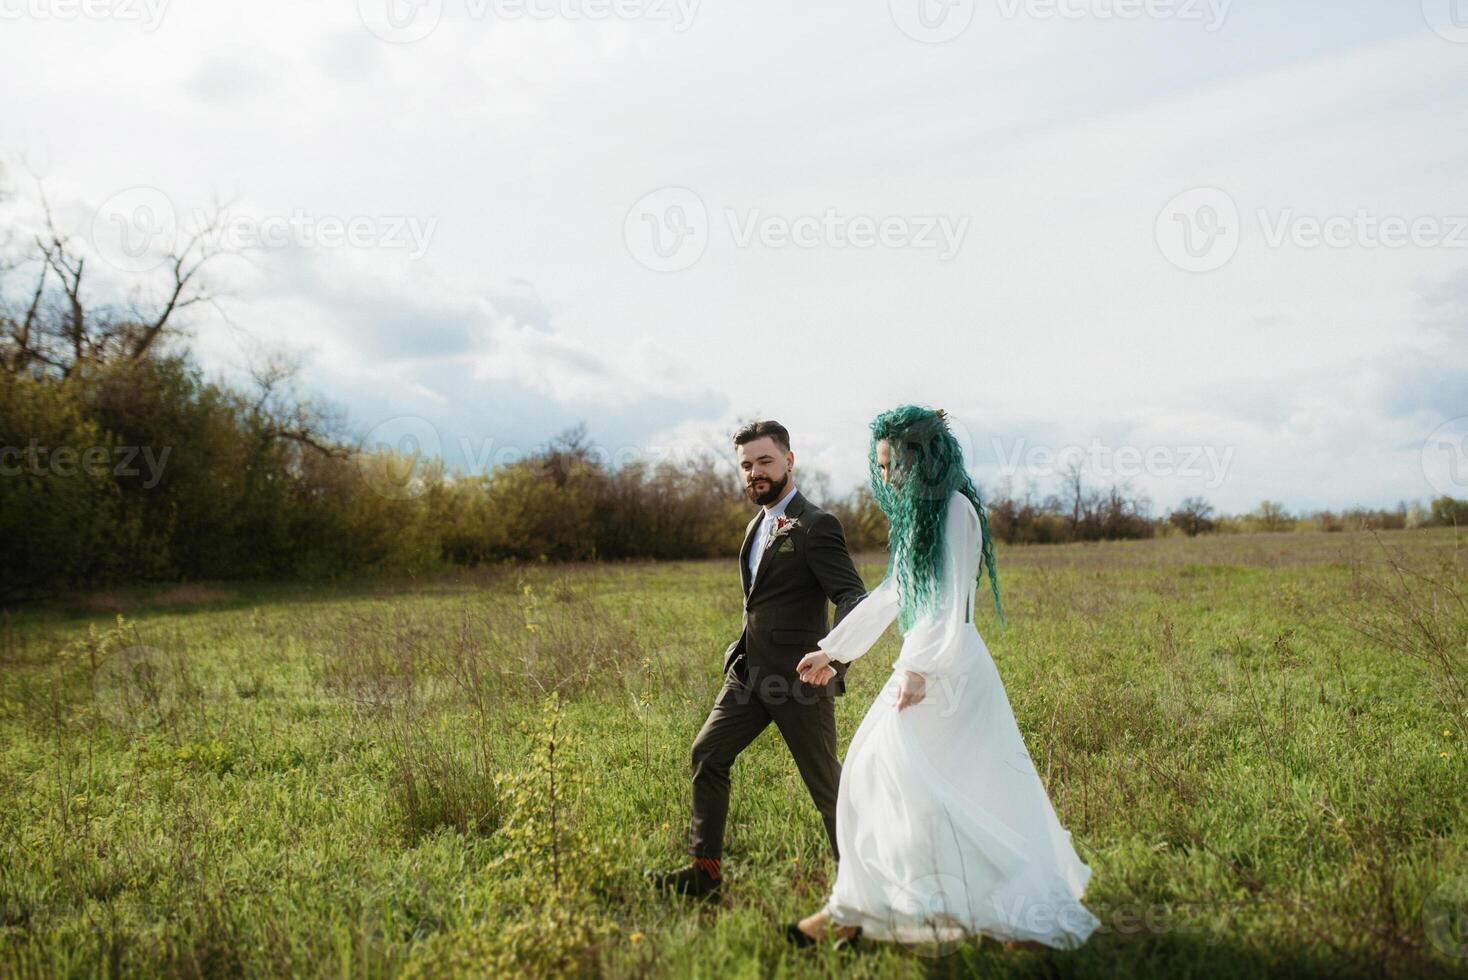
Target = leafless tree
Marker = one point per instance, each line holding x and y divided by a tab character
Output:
49	323
1071	483
280	412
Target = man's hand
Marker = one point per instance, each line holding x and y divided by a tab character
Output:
911	689
815	668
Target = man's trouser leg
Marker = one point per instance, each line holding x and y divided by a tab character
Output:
736	719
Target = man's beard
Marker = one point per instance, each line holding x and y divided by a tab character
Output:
776	488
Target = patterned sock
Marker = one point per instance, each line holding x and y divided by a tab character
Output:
708	865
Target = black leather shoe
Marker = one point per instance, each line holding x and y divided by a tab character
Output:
797	936
687	880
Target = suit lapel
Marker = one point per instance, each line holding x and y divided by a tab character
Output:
744	551
792	511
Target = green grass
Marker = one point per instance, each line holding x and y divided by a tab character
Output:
1256	742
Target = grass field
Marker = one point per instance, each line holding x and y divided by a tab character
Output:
1256	741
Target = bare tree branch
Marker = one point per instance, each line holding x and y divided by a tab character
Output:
280	414
61	330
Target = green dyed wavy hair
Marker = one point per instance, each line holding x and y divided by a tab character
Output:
927	467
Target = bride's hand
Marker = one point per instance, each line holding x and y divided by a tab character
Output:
911	689
815	668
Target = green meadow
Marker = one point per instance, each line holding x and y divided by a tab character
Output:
1256	741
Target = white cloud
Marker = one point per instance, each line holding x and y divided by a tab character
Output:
1059	321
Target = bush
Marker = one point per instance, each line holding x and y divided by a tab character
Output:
539	908
1193	517
198	481
1448	512
59	514
1271	516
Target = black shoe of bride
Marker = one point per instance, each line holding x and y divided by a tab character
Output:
798	936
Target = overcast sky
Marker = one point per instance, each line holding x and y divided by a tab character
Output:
1222	247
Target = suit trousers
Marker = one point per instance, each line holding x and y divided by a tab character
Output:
743	709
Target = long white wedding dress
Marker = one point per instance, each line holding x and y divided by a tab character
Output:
944	827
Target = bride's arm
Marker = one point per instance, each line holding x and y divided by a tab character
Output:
934	644
864	625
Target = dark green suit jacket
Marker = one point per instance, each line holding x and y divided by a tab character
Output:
785	611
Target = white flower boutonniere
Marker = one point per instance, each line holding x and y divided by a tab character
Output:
783	526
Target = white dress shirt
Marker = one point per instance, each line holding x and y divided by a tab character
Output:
762	533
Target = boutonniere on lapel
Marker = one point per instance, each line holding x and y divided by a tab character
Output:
783	527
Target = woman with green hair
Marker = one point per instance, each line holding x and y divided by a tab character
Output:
945	829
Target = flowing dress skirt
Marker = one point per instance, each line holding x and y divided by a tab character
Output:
945	827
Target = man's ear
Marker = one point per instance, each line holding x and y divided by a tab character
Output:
789	460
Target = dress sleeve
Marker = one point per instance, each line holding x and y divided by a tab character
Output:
864	625
933	646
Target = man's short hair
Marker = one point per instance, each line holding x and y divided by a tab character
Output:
759	430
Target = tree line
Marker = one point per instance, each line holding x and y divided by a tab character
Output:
1115	513
144	470
121	462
